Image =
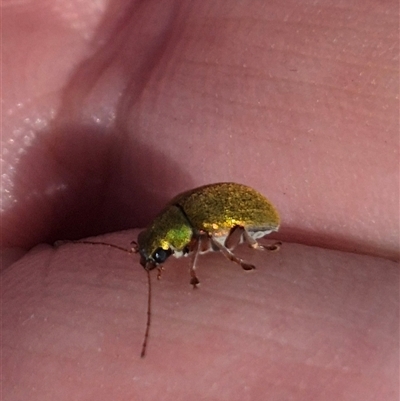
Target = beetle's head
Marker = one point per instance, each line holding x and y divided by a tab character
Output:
152	251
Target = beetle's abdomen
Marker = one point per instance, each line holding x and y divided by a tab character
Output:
216	208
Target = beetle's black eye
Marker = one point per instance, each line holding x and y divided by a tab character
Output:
160	255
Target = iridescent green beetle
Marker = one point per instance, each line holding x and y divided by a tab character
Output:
212	217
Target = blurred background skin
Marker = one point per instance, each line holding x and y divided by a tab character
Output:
110	109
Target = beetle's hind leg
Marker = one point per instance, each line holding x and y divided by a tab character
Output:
254	244
234	237
228	253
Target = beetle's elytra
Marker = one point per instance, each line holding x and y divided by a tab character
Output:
211	217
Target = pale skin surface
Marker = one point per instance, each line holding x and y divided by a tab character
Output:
109	112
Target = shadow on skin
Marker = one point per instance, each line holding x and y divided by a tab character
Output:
79	181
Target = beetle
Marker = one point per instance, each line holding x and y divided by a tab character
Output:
212	217
215	217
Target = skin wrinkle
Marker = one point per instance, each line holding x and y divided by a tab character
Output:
291	105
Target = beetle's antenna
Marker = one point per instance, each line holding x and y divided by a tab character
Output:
146	334
132	250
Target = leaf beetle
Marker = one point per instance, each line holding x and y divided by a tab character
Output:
215	217
212	217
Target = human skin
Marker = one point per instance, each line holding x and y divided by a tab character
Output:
108	111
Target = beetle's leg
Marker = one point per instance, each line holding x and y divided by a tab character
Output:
160	269
135	247
234	237
231	256
254	244
195	248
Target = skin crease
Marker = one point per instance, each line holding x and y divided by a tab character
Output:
111	110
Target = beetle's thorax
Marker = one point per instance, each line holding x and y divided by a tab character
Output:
169	230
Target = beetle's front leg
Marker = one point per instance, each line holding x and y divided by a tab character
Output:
160	269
